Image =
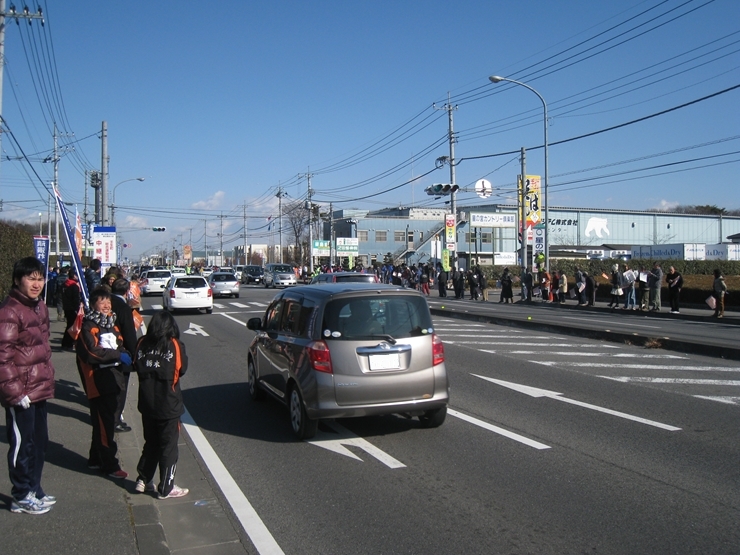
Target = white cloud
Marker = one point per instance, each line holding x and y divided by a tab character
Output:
667	205
213	202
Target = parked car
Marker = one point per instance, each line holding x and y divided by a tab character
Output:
187	292
344	277
348	349
252	274
279	274
154	281
224	284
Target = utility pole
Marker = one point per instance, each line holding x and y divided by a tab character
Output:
12	14
56	186
246	256
332	250
280	195
449	108
523	218
205	238
221	238
309	194
104	175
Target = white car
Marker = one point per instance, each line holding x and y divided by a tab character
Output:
188	292
154	281
178	271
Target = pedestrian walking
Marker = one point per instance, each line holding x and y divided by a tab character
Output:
424	279
61	280
562	286
100	362
655	281
26	383
160	362
125	322
675	282
719	290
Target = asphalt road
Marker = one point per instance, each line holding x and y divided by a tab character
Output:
578	446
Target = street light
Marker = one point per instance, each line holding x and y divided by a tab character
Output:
497	79
113	204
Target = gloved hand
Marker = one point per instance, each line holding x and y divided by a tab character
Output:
126	359
25	402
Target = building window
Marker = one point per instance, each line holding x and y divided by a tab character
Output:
362	235
381	236
486	238
399	236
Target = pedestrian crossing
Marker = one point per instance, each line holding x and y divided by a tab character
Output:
693	375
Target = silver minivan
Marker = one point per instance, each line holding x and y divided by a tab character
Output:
279	274
348	349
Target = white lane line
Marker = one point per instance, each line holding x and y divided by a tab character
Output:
537	392
157	307
726	400
680	381
248	517
640	366
232	318
497	430
519	343
593	354
609	322
240	305
255	303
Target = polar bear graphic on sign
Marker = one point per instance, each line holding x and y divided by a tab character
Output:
597	225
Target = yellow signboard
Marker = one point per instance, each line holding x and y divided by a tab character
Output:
532	203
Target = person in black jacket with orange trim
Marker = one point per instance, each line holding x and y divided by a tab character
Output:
102	361
160	362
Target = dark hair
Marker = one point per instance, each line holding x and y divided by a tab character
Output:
95	264
25	267
717	272
120	286
97	294
161	330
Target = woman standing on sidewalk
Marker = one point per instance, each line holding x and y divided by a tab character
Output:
719	289
160	363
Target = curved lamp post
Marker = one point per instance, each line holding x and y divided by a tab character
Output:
497	79
113	204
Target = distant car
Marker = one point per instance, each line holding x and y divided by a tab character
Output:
224	284
187	292
238	269
178	271
279	274
344	277
252	274
348	349
154	281
226	269
205	272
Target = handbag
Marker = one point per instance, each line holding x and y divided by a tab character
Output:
617	291
74	329
712	302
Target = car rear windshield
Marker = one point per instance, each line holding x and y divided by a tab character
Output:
397	316
283	268
190	283
254	271
155	274
367	278
223	277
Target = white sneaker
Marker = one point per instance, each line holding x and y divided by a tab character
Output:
29	505
176	492
142	487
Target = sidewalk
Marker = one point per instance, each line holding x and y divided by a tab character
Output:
98	515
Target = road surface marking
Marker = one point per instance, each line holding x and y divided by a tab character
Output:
239	305
519	343
639	366
592	354
726	400
609	322
537	392
336	443
248	517
195	329
680	381
232	318
497	430
217	305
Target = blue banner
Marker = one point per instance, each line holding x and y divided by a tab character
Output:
77	263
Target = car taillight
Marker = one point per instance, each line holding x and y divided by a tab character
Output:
210	292
438	350
172	293
318	353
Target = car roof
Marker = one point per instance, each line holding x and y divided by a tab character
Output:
345	288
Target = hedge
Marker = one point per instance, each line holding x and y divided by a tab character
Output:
14	245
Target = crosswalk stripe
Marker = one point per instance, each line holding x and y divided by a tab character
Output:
239	305
217	305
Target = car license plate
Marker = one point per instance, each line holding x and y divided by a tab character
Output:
385	362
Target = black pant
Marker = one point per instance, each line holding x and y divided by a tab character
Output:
28	436
122	399
160	449
103	448
673	296
67	340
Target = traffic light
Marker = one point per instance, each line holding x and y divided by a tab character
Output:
439	189
159	229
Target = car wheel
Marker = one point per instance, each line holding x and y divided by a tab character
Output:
254	390
209	311
267	286
433	418
236	296
303	426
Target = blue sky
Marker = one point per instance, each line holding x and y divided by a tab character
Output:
219	104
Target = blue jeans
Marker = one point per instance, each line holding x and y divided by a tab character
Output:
629	299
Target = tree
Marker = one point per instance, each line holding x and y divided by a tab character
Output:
298	217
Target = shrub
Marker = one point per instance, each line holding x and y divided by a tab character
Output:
15	244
